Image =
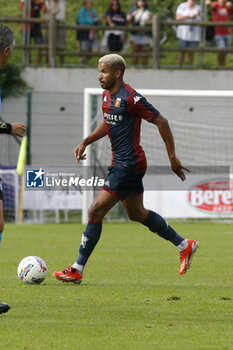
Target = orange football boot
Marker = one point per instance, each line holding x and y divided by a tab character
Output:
69	275
186	255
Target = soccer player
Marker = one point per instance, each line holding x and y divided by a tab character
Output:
7	43
123	110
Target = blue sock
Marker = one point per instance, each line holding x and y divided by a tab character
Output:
89	240
0	238
158	225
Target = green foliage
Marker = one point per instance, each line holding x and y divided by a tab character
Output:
132	296
11	82
162	7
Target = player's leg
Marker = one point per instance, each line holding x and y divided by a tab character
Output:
1	217
134	207
103	202
3	306
101	205
136	211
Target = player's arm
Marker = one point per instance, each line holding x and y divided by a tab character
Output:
97	134
15	129
5	128
18	129
166	134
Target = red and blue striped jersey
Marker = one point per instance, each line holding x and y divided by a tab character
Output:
123	113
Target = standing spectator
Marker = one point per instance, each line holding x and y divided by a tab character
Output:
188	35
59	7
140	15
88	39
114	39
221	12
35	29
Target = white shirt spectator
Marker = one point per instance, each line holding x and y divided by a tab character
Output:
188	32
61	8
142	17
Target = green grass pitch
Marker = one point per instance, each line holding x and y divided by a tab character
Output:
132	296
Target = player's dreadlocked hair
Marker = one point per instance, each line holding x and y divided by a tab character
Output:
115	61
6	37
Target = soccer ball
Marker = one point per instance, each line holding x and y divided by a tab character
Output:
32	270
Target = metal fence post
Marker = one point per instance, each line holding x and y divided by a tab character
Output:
52	39
203	31
29	118
26	33
156	40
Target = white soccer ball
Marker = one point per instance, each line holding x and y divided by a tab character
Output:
32	270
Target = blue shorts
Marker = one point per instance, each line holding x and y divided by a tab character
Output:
121	181
89	45
186	43
141	39
223	41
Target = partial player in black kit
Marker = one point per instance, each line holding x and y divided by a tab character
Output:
7	44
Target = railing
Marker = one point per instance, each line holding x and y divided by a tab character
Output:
51	49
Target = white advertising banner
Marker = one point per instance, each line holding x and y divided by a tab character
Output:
200	196
206	199
52	200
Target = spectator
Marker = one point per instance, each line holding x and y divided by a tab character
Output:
35	29
114	39
140	15
188	35
88	39
59	7
221	12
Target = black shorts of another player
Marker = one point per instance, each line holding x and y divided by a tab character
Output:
1	192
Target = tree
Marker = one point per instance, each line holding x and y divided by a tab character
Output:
11	82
